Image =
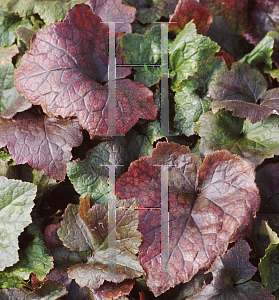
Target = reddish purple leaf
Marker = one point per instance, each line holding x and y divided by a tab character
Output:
65	70
228	59
187	10
210	204
114	11
42	142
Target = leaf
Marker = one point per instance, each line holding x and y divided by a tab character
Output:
148	52
239	90
45	143
14	194
87	229
24	34
192	98
210	205
230	19
262	52
50	290
33	258
228	59
49	11
268	268
114	11
264	20
186	53
252	141
232	275
7	53
67	81
187	10
8	23
90	176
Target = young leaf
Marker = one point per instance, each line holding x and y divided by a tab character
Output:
90	176
148	52
114	11
45	143
232	275
87	229
50	290
186	53
67	80
210	204
252	141
187	10
14	195
192	97
239	89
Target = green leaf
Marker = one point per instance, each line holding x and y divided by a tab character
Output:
262	52
186	53
192	97
15	208
252	141
33	258
147	52
5	157
50	11
10	282
8	23
7	53
269	268
90	176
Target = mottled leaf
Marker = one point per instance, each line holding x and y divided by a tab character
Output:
240	89
232	275
90	176
85	228
7	53
228	59
264	18
65	69
15	208
50	11
186	53
192	98
187	10
24	34
50	290
210	204
45	143
252	141
148	52
114	11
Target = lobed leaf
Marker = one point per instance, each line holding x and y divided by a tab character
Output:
210	204
45	143
65	69
15	208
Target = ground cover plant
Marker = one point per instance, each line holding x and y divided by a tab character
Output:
145	213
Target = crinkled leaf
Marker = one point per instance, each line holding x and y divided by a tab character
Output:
50	290
264	18
186	53
8	23
230	18
262	52
192	97
7	53
33	258
90	176
269	268
10	282
49	10
15	208
231	277
45	143
187	10
85	228
239	90
147	52
149	11
210	204
252	141
66	80
114	11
